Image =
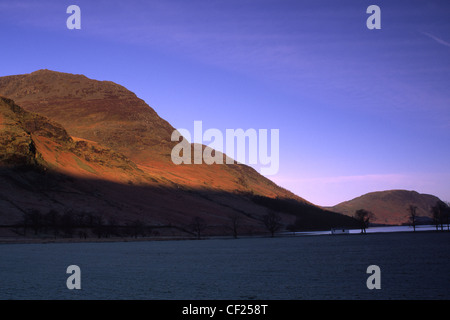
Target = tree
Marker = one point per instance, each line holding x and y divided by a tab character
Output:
34	220
447	214
435	214
26	222
53	221
68	223
198	225
98	225
413	215
440	213
111	227
272	222
234	223
137	228
81	219
363	217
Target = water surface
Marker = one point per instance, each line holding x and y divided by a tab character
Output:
413	266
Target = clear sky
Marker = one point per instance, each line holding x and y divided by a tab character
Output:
358	110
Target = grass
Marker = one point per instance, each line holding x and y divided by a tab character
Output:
83	165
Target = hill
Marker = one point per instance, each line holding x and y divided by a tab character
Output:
116	118
390	207
87	148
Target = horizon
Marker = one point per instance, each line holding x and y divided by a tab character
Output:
358	110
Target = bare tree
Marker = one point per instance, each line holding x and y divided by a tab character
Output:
34	218
444	209
234	223
272	222
412	210
53	221
81	219
111	227
198	225
26	222
98	225
68	223
440	213
137	228
447	214
435	214
363	217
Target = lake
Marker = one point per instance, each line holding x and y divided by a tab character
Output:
412	266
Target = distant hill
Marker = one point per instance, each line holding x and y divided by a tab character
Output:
92	148
390	207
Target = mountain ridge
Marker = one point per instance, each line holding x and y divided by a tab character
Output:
93	110
94	168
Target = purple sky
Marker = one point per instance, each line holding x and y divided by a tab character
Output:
358	110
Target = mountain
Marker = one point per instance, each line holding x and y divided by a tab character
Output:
114	117
100	111
88	148
390	207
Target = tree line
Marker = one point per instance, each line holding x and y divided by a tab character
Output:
81	224
271	221
440	215
71	224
